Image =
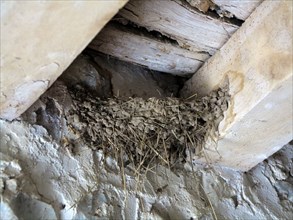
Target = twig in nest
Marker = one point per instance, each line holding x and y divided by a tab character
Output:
211	205
158	131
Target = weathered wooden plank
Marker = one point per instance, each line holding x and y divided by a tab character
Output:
257	63
241	9
192	30
39	39
146	51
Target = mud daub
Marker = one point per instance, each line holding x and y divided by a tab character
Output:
143	133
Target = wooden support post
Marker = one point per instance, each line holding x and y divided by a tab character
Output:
39	39
257	63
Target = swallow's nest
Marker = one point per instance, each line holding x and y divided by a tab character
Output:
142	133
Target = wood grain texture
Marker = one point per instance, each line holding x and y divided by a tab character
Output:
39	40
146	51
241	9
192	30
257	63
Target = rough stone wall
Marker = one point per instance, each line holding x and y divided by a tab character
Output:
41	179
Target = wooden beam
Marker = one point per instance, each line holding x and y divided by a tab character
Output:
39	39
192	30
146	51
241	9
257	63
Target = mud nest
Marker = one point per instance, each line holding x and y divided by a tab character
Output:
142	133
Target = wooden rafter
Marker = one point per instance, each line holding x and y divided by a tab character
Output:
257	64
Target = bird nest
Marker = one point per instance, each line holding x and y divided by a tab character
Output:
143	132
